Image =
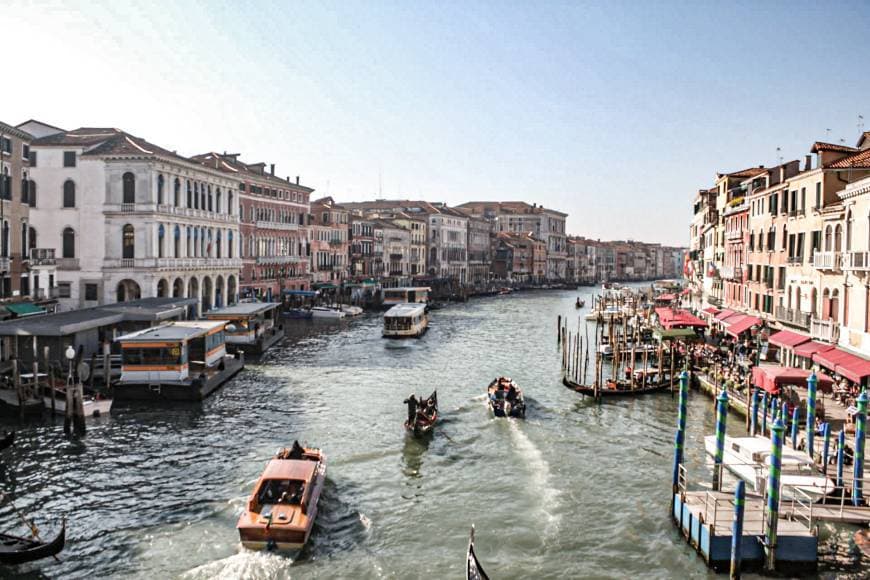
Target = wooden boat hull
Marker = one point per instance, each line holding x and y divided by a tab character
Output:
589	391
92	407
473	569
17	550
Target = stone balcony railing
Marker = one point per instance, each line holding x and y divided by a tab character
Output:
827	261
188	212
46	293
793	317
267	225
42	257
172	263
856	261
67	263
826	330
281	259
4	264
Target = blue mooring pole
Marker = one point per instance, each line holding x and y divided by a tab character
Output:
753	425
680	437
737	528
812	383
826	448
795	426
765	405
721	419
841	451
773	482
858	459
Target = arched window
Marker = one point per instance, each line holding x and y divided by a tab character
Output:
849	230
202	196
230	203
230	244
195	195
838	238
828	239
129	186
32	197
160	189
128	242
218	252
32	238
177	242
69	193
161	235
177	192
210	200
69	243
835	305
217	200
189	194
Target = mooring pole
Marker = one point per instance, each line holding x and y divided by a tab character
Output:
764	406
753	424
559	329
858	459
795	426
721	418
841	452
680	438
812	384
773	482
737	528
826	448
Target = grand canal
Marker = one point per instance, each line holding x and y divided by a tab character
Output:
577	490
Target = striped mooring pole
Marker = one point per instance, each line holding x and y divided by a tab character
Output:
795	426
860	431
721	419
773	482
680	438
783	414
826	447
737	528
812	384
841	452
764	405
753	425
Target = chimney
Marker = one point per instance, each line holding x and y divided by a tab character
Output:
272	168
808	162
297	180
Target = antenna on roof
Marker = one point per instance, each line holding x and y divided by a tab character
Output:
860	123
779	154
827	135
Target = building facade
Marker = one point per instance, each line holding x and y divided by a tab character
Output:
330	224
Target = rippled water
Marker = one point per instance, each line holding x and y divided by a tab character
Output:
576	490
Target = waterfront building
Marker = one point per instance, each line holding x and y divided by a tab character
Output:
519	258
133	220
273	215
419	236
329	227
363	261
479	251
396	251
854	332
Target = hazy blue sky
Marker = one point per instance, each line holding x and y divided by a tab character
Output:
613	112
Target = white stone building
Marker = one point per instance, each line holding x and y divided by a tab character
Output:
129	219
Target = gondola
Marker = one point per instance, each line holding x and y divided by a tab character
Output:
422	414
505	398
7	441
615	389
18	550
473	569
579	304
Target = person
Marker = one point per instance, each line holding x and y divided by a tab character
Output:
296	452
411	401
512	393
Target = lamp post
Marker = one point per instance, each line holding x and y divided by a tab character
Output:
70	355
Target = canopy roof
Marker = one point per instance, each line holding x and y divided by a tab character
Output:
711	310
673	318
665	297
808	349
307	293
23	309
788	339
772	378
669	333
735	329
723	314
851	366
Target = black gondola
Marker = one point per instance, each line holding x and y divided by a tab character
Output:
422	414
615	389
7	441
18	550
505	398
473	569
579	303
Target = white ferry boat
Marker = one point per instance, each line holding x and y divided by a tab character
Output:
406	321
749	458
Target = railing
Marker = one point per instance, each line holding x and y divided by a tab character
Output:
4	264
172	263
793	316
46	293
735	234
280	259
187	212
827	261
277	225
826	330
727	272
856	261
335	242
67	263
42	257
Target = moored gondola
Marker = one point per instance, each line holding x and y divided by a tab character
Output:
505	398
18	550
615	388
7	441
579	304
473	569
422	413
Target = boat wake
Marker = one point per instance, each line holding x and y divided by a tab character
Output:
541	484
246	564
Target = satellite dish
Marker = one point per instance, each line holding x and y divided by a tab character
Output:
84	371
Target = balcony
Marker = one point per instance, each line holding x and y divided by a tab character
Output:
281	259
67	263
42	257
734	234
827	261
793	317
46	293
171	263
856	261
4	264
336	242
826	330
262	224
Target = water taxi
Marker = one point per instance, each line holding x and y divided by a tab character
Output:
181	361
326	312
505	398
405	295
280	513
749	458
251	326
406	321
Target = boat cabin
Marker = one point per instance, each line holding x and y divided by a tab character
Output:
405	321
247	322
406	295
173	352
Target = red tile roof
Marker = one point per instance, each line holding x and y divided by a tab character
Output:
822	146
859	160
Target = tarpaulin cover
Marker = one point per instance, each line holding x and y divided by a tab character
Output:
788	339
737	328
671	318
772	379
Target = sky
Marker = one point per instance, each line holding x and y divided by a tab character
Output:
613	112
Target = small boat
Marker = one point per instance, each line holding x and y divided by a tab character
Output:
473	569
95	405
297	313
18	550
613	388
7	441
280	513
505	291
506	399
324	312
579	304
352	310
422	414
749	459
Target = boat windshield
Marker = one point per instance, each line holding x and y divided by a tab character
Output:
287	491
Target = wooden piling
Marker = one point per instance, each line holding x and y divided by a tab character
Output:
45	354
559	329
19	389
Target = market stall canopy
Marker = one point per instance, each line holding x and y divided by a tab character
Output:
673	318
722	315
851	366
665	298
735	329
788	339
808	349
711	310
772	379
672	333
22	309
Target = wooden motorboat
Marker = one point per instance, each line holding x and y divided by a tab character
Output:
326	313
613	388
18	550
473	569
422	414
506	399
280	513
95	405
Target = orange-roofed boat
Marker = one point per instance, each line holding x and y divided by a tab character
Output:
280	513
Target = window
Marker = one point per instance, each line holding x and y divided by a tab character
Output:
818	195
31	197
69	243
803	200
32	158
64	289
6	145
24	238
160	189
69	158
69	193
129	185
91	292
161	235
25	151
25	187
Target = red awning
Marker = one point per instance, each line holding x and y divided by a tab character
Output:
711	310
830	358
665	298
853	367
772	379
724	314
788	339
808	349
733	319
674	318
742	325
684	292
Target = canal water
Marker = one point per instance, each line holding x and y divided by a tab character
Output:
576	490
